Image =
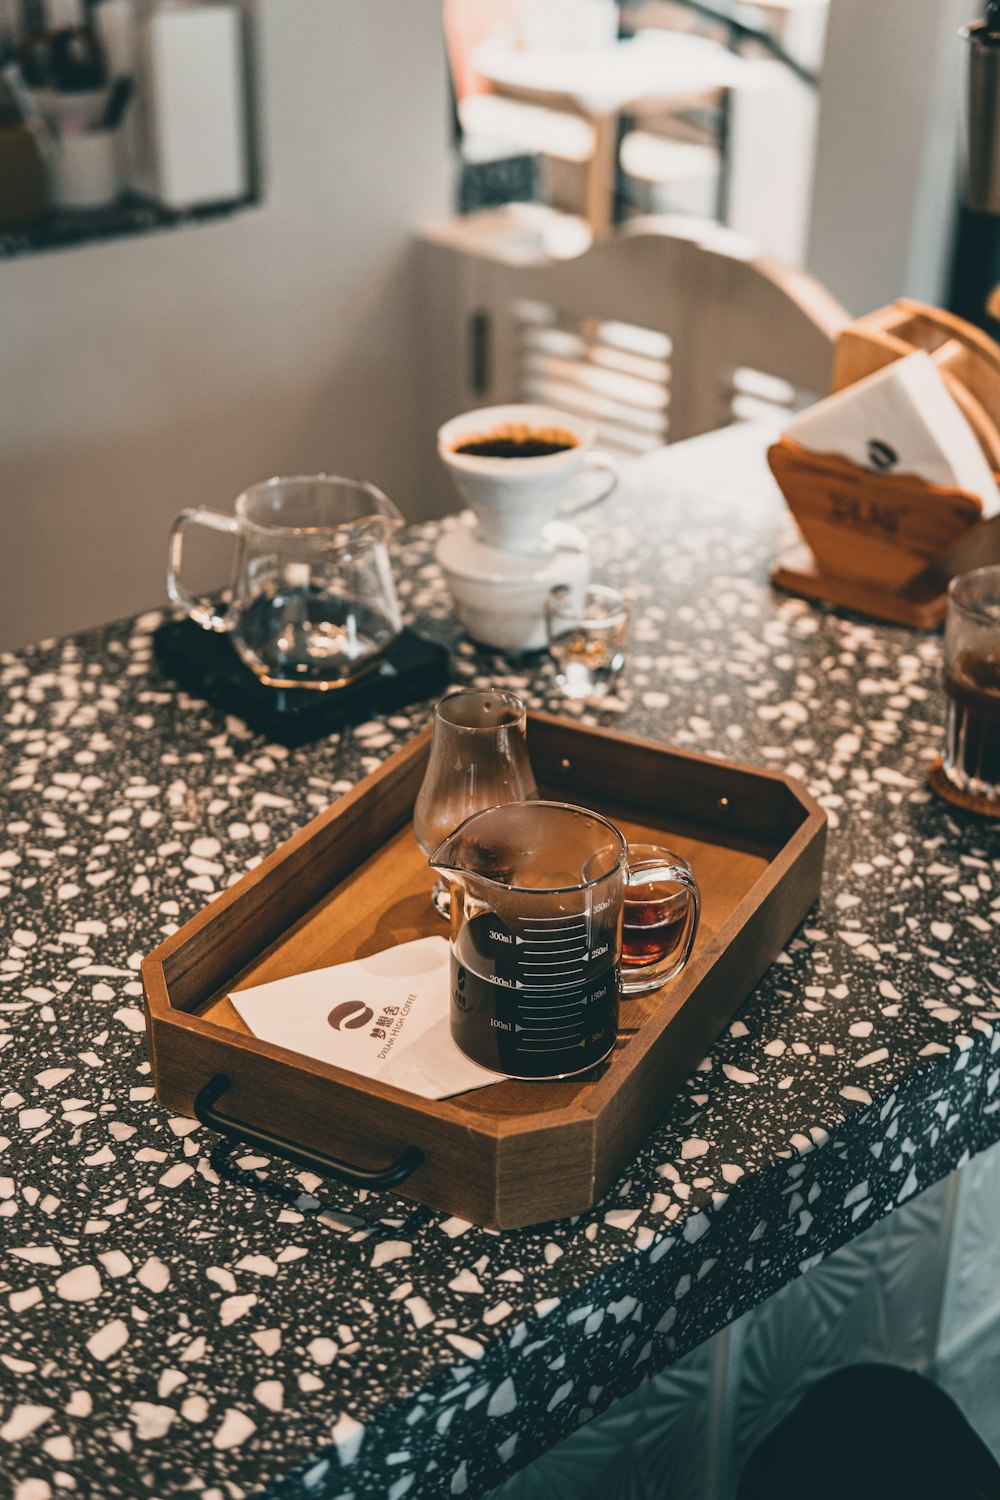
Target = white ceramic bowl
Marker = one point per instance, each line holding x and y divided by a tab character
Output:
500	596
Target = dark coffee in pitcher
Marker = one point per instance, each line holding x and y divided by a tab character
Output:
535	950
538	999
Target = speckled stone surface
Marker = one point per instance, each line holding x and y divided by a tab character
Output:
167	1330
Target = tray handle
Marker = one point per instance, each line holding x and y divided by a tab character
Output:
326	1166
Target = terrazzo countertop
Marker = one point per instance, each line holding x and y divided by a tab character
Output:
170	1325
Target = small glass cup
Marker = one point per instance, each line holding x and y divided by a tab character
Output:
972	683
587	632
660	918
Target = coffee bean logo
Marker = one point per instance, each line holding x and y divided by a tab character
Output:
462	1000
881	456
350	1015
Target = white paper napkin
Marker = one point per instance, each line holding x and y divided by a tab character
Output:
901	420
385	1016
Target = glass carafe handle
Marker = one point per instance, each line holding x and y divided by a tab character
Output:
641	978
202	611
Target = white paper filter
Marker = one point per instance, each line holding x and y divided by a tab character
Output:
385	1017
901	420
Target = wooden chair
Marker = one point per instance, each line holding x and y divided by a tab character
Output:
489	124
671	328
576	148
725	157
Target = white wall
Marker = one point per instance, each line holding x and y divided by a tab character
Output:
773	118
146	374
888	153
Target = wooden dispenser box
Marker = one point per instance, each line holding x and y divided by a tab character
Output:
887	545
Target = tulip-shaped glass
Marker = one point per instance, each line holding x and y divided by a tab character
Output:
478	759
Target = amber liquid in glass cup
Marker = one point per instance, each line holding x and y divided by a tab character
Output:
653	926
659	917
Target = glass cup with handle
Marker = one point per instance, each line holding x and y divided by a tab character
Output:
660	917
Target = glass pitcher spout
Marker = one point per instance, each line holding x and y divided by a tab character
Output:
383	519
529	848
468	865
371	517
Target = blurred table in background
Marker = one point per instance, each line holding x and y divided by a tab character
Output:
643	76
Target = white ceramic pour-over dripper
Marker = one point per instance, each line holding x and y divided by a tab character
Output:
514	498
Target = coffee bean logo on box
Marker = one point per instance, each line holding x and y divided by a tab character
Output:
350	1015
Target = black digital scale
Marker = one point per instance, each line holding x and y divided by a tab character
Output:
204	663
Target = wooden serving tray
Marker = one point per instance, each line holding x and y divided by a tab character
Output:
353	882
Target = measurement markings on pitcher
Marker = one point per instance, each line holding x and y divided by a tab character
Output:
542	989
554	946
552	1015
550	1005
546	959
576	959
565	920
541	972
549	1017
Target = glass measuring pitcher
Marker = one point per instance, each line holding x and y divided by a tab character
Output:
536	936
313	603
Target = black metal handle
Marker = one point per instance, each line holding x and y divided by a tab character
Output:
326	1166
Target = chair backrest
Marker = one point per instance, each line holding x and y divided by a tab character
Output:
669	329
466	24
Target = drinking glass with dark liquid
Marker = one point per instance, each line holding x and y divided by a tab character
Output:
972	683
660	917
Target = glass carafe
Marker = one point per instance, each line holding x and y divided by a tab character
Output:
312	602
478	759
